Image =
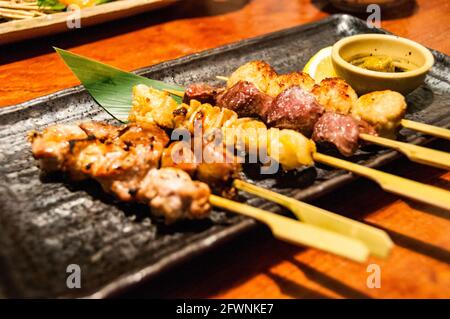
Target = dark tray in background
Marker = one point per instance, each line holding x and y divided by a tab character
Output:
45	225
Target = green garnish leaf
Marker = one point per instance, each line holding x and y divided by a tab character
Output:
109	86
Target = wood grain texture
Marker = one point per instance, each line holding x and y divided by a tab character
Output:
255	265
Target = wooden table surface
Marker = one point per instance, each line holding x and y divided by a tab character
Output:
255	265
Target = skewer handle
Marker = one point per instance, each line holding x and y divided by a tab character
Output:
415	153
298	233
427	129
376	240
394	184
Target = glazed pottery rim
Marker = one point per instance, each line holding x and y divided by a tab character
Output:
424	68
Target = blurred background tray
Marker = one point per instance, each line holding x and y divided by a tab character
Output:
18	30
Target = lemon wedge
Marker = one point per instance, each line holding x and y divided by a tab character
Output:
320	66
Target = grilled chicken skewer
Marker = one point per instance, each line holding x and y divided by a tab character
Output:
125	159
290	148
294	101
383	109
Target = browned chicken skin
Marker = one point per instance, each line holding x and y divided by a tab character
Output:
125	161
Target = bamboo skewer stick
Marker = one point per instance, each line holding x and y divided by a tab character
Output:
415	153
376	240
427	129
391	183
223	78
298	233
174	92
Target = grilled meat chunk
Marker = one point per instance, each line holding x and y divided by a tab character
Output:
335	95
245	99
285	81
180	155
295	109
212	164
172	194
143	110
260	73
267	80
125	162
52	145
202	92
101	130
382	109
290	148
340	131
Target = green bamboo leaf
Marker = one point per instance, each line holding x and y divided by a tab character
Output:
110	87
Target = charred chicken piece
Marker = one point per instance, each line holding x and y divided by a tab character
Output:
126	165
202	92
335	95
267	80
258	72
285	81
180	155
382	109
289	148
295	109
101	130
212	164
340	131
245	99
172	194
52	145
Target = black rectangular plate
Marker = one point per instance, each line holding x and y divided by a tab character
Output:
45	225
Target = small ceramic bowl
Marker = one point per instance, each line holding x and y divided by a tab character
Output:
364	81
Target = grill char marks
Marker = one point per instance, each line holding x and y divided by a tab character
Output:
202	92
125	161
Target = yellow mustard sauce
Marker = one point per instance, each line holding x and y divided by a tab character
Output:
382	63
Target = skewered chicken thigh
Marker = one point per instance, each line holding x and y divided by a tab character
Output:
125	161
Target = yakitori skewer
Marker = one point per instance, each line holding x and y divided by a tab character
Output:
415	153
125	160
272	83
394	184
